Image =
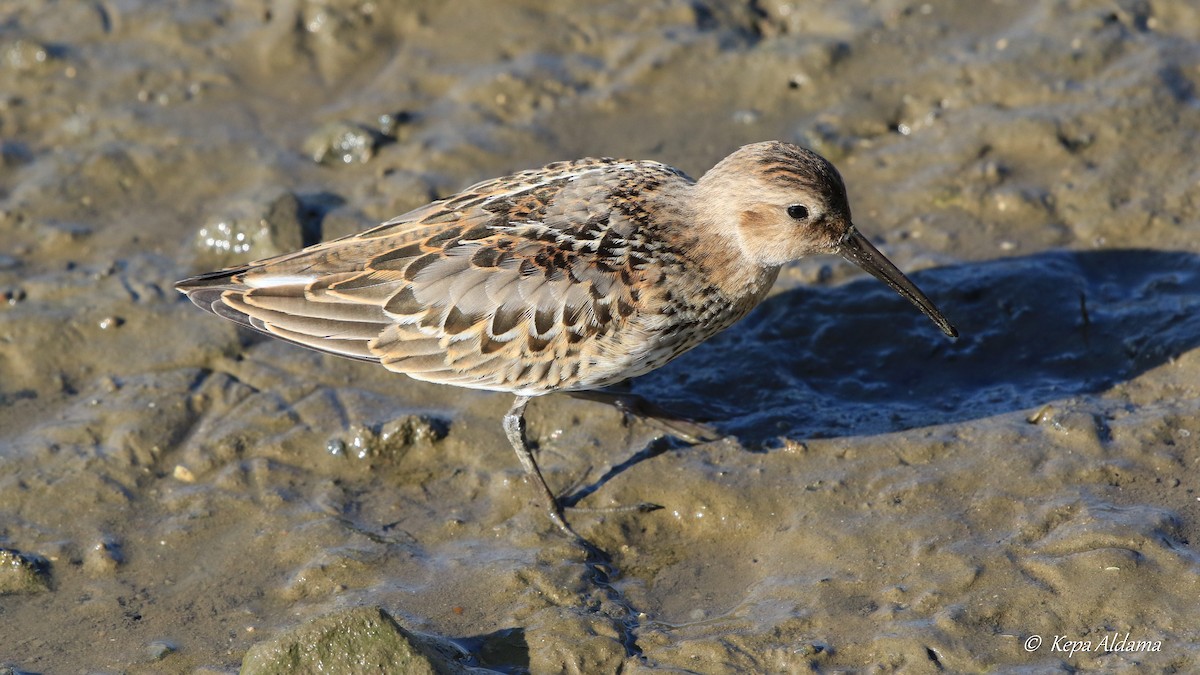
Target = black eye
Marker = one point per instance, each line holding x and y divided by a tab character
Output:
798	211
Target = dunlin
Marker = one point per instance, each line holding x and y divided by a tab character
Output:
572	277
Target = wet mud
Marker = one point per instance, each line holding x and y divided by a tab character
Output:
179	496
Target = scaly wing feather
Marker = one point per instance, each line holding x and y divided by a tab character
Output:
515	284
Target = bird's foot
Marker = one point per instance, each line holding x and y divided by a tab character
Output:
682	427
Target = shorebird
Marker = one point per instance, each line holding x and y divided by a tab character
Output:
568	278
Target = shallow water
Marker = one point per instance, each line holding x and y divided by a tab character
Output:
885	499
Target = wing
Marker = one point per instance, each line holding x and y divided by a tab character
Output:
525	283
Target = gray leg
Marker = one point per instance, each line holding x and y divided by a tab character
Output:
514	428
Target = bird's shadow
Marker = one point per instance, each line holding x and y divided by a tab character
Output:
856	359
576	494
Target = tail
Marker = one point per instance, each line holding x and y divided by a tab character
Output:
207	292
293	307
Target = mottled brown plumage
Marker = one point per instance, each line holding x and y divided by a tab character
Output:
570	277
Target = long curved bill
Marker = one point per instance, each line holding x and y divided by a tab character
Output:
855	248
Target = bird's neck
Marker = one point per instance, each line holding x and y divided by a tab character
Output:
718	253
705	242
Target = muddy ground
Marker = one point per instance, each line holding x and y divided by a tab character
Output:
174	491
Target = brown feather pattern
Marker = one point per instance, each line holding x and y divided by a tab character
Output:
545	280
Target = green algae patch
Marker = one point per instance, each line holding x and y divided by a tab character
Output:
22	572
360	640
